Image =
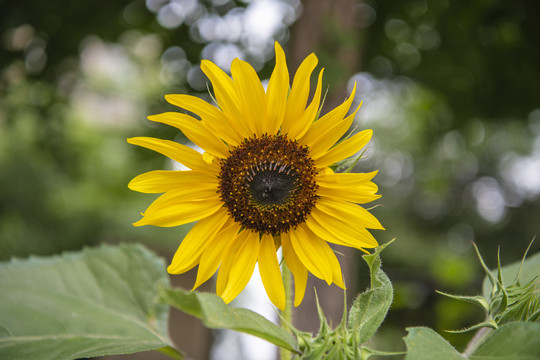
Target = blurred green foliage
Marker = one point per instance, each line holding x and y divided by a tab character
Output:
457	146
480	56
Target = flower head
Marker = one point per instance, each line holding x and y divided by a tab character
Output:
263	182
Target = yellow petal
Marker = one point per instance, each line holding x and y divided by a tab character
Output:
338	180
229	100
277	91
194	130
348	213
203	191
173	150
251	93
310	251
345	149
326	131
329	255
299	127
298	270
224	91
195	242
337	275
277	242
229	255
352	187
360	195
211	258
180	214
270	273
321	126
160	181
329	138
296	103
217	121
337	232
242	268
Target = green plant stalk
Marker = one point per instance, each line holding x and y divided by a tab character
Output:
171	352
286	315
478	337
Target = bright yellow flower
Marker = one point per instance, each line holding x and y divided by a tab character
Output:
264	181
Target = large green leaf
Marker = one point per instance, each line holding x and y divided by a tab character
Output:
425	344
216	314
512	341
370	308
83	304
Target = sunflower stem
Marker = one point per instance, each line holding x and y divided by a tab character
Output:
476	340
287	313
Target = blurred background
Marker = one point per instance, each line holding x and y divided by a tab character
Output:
451	89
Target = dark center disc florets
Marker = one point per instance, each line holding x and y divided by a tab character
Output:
268	183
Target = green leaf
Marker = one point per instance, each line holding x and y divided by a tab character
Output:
366	353
425	344
512	341
494	285
370	308
374	263
515	297
477	300
529	271
490	323
216	314
83	304
324	327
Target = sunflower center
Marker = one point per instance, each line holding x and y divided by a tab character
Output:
271	187
268	183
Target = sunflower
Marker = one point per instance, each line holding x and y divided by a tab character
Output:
263	182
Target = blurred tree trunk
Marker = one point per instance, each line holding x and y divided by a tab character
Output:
328	28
